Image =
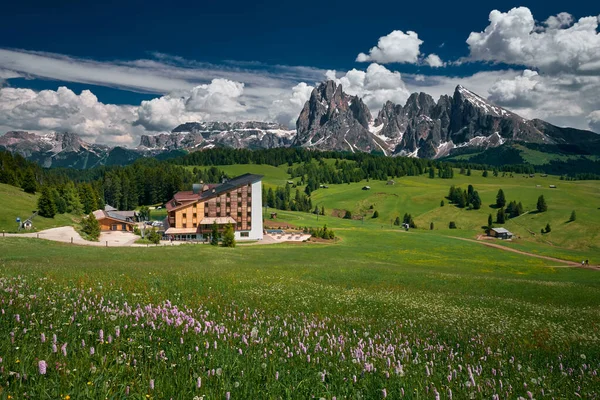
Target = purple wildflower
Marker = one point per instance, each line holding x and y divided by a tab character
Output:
42	367
152	384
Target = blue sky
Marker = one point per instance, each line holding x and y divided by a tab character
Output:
267	58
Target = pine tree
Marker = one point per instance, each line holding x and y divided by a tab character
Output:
69	193
501	216
469	171
442	203
452	225
29	184
46	206
397	221
548	228
91	227
500	199
431	226
322	210
573	216
214	239
376	214
431	173
485	173
228	236
153	236
348	215
476	200
490	221
541	204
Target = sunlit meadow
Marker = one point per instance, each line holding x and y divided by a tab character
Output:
397	318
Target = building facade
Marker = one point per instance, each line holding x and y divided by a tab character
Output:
191	214
112	220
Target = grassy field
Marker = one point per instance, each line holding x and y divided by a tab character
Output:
274	176
407	313
16	203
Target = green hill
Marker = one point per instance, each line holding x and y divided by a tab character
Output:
16	203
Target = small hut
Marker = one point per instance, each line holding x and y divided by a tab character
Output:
391	182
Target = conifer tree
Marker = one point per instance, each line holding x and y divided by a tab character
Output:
500	199
501	216
573	216
476	200
376	214
541	204
490	221
228	236
29	184
91	227
46	206
214	237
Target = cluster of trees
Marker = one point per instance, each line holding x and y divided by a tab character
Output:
445	171
281	199
406	219
512	210
322	233
66	198
464	198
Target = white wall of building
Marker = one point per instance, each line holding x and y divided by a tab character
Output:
256	233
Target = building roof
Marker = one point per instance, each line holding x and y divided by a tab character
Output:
109	208
180	231
218	220
501	230
122	216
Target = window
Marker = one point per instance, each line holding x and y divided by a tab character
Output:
244	234
239	213
194	215
228	214
206	213
249	214
184	215
218	205
195	225
184	225
228	195
218	213
249	194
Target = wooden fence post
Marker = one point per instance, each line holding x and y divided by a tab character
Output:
71	239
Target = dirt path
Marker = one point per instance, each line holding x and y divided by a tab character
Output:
498	246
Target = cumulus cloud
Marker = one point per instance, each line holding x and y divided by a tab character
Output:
376	85
434	61
218	100
594	121
398	47
286	109
559	45
63	110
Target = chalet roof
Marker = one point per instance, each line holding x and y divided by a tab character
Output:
123	216
501	230
218	220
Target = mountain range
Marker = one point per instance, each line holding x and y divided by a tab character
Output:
330	120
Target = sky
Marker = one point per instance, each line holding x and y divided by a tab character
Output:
112	71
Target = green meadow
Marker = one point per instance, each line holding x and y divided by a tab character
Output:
380	312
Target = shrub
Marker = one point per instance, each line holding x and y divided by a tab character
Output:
452	225
573	216
348	215
548	228
442	203
153	236
376	214
431	226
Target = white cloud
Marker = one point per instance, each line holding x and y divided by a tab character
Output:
557	46
434	61
63	110
286	109
398	47
376	85
161	75
594	121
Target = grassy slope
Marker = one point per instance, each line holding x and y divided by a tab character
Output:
274	176
16	203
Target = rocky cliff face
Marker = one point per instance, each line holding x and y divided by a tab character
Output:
333	120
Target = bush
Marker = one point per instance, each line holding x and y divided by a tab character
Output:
573	216
153	236
397	221
348	215
376	214
548	228
442	203
452	225
431	226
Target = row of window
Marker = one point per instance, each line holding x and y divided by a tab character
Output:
238	225
228	214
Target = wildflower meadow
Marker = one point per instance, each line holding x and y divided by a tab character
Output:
200	322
